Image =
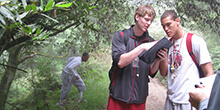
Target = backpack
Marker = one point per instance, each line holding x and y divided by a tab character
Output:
192	55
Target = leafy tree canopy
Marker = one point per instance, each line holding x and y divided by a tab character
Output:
202	14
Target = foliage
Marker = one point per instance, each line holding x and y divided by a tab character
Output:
27	24
45	83
214	50
200	14
34	87
117	16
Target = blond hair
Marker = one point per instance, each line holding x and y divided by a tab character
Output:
142	10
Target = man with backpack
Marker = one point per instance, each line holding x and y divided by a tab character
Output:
182	71
129	74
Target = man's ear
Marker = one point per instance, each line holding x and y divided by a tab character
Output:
177	20
137	17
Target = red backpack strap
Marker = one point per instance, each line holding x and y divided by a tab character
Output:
124	35
121	33
189	47
171	39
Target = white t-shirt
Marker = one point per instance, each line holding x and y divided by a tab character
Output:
185	74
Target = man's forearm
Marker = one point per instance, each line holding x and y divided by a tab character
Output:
163	68
127	58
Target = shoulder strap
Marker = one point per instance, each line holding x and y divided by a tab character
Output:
189	47
124	35
171	39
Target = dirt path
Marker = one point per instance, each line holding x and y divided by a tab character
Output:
157	95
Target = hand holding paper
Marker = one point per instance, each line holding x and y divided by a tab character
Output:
150	55
197	96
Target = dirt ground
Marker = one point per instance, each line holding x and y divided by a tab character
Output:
156	97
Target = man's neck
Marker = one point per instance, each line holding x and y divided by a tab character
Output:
137	31
179	34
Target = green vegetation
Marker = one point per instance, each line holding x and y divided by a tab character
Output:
41	90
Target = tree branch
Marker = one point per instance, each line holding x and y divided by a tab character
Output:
59	31
25	58
13	67
10	104
42	54
48	28
16	42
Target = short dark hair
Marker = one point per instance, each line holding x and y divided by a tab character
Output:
85	54
171	13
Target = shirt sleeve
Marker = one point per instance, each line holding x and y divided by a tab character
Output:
203	104
73	65
200	50
118	47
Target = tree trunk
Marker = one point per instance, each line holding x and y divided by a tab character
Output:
9	75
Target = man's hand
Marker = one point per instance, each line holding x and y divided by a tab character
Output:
77	77
196	97
162	54
147	46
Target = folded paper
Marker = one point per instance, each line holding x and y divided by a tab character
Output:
150	55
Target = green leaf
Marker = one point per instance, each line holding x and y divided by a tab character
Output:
34	7
13	25
49	5
25	30
28	8
35	38
92	7
38	31
63	5
30	30
103	10
44	37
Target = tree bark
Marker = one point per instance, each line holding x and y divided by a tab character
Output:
9	75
